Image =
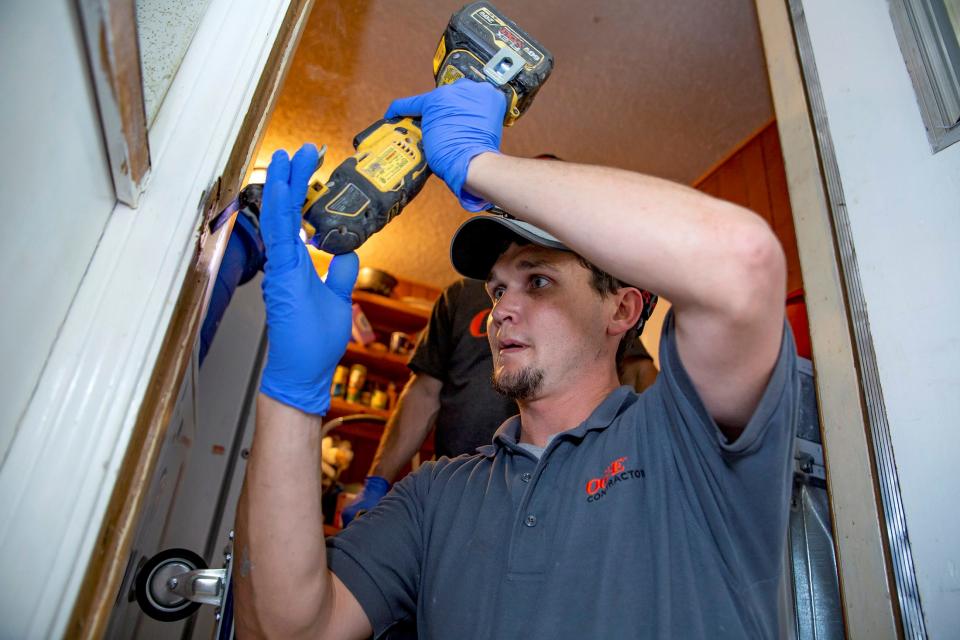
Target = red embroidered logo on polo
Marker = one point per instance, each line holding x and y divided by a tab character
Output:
613	474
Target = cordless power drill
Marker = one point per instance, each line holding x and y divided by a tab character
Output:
389	167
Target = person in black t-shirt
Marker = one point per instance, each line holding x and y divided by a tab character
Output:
451	390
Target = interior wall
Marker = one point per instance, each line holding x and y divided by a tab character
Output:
903	203
56	188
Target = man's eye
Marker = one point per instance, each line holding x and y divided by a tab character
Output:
538	282
497	293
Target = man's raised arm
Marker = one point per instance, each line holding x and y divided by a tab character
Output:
283	586
719	264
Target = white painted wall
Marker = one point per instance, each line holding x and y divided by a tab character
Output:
55	189
904	208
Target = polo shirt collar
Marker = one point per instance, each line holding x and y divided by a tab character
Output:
509	432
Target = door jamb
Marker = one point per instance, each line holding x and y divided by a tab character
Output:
105	572
867	585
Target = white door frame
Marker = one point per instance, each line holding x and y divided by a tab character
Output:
67	491
877	583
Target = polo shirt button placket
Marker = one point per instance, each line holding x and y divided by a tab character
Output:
530	520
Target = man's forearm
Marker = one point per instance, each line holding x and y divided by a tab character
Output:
408	426
655	233
281	573
720	265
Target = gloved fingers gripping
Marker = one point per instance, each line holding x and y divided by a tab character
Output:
278	172
480	93
275	191
342	275
302	166
279	229
498	97
412	106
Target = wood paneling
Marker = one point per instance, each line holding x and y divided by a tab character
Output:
752	175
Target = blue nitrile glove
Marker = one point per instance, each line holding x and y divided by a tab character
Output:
374	488
308	321
459	122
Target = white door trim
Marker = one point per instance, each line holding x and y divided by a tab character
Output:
59	473
866	584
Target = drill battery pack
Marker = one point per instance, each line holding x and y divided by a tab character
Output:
482	44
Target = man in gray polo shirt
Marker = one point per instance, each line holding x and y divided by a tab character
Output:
596	512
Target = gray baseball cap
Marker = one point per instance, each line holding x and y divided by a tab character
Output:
477	243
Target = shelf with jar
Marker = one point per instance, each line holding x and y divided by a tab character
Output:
370	376
399	314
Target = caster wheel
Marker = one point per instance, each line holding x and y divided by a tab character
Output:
154	597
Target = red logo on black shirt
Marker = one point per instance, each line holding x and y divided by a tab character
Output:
615	473
478	326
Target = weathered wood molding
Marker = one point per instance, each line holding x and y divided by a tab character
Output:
59	478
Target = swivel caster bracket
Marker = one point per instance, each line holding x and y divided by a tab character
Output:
205	586
174	583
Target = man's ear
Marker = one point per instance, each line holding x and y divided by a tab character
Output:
626	314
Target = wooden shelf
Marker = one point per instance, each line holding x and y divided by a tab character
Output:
340	407
386	315
387	312
353	431
388	364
